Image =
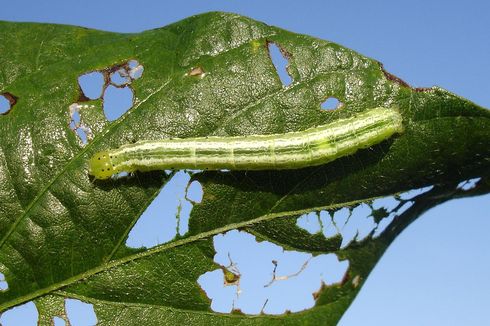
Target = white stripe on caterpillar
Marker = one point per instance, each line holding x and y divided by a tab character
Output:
292	150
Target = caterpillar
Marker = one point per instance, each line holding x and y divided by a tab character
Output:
292	150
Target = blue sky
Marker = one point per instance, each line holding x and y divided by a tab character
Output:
436	272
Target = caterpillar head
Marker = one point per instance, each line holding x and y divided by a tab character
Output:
100	166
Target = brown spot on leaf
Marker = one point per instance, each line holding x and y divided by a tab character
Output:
196	71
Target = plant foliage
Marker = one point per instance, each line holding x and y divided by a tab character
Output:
63	234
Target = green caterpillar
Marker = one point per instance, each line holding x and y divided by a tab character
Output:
293	150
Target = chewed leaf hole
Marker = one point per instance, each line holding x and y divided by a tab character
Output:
117	101
167	215
262	277
4	105
75	122
113	86
310	222
120	77
280	63
92	84
7	101
25	314
331	103
468	184
354	224
135	69
120	175
3	283
80	313
194	192
123	75
362	221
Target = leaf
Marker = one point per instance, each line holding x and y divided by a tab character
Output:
63	235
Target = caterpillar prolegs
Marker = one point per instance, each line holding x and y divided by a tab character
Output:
292	150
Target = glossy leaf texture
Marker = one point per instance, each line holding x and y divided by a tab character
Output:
63	234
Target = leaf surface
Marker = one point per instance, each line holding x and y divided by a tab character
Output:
63	235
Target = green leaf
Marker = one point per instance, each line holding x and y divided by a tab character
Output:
63	235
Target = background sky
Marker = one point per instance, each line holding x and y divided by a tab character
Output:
436	272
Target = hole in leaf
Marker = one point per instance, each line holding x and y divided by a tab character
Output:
331	226
25	314
167	215
120	77
194	192
58	321
414	193
75	123
331	103
133	64
280	63
135	69
4	286
361	221
383	224
183	213
310	222
117	101
80	313
327	224
388	203
120	175
4	104
403	208
92	84
468	184
263	277
385	210
7	102
353	225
